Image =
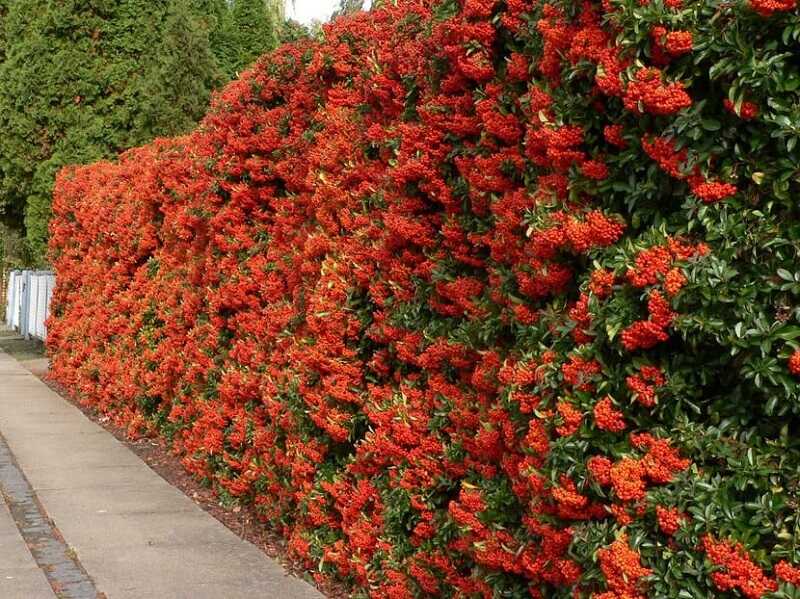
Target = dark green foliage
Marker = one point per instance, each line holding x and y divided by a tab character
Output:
242	30
12	249
10	214
292	31
221	36
181	73
83	80
254	30
3	12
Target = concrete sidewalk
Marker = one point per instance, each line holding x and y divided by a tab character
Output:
20	575
132	533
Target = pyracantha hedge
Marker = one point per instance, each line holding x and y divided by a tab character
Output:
473	299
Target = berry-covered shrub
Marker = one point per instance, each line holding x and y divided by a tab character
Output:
473	299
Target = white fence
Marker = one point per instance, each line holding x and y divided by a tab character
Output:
28	301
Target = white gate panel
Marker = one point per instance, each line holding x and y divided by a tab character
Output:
28	302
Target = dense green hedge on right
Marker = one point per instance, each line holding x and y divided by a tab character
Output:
473	298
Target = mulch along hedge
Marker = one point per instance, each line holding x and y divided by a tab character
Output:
473	298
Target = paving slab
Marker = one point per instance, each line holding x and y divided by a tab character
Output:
135	535
20	575
52	555
49	478
24	583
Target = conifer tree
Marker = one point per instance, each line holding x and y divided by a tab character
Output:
180	76
10	214
3	12
85	79
219	19
292	31
255	30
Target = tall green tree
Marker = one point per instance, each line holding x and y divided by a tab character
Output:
219	21
3	13
255	29
292	31
8	216
85	79
181	72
